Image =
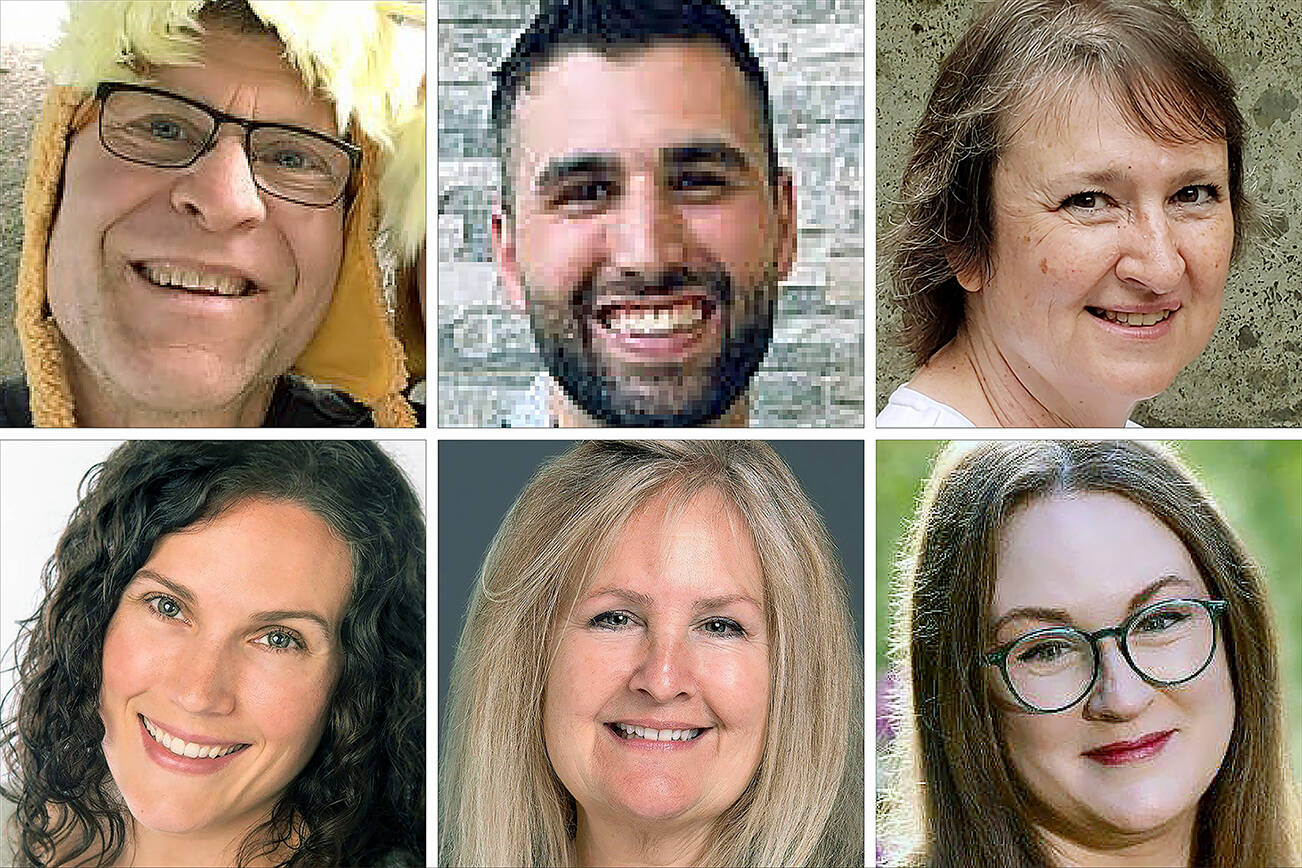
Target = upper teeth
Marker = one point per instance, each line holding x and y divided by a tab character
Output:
1136	319
180	747
655	320
170	275
656	734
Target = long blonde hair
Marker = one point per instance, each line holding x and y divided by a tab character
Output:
500	803
956	800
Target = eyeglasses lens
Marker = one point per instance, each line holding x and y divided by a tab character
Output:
159	131
1170	642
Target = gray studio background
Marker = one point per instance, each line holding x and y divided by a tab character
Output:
478	481
1251	373
812	52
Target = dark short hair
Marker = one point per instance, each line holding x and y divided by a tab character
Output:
1022	54
360	798
613	28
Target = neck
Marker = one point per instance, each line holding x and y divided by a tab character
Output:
146	847
566	414
607	841
100	404
1171	846
975	378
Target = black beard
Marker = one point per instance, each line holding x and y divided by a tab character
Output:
746	326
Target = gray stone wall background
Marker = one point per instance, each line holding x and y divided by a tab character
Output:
1251	373
812	51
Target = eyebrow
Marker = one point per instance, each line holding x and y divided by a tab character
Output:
705	151
1062	616
704	604
188	597
557	171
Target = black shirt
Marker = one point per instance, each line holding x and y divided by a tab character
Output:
294	404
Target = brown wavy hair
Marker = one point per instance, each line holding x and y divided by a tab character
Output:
956	799
1017	57
361	797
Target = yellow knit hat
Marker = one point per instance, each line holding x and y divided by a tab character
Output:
346	50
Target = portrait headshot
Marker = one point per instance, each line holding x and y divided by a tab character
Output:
650	213
656	659
1083	214
1092	653
222	222
222	662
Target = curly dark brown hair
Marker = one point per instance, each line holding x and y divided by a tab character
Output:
360	800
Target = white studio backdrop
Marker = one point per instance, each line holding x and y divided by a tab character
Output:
38	491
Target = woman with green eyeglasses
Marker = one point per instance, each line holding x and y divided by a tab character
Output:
1089	670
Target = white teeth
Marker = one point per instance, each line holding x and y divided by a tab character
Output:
643	732
184	748
656	320
221	284
1136	319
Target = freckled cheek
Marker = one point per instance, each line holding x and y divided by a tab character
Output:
288	703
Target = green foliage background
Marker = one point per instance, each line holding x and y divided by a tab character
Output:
1257	483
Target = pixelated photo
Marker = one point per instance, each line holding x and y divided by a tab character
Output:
650	213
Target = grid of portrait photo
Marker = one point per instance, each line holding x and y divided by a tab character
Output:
592	546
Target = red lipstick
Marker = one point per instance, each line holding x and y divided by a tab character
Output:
1130	751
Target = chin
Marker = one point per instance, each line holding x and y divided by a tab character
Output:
655	801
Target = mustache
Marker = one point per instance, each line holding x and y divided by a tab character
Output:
714	283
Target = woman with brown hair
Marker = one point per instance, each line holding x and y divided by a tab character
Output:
1089	669
1071	204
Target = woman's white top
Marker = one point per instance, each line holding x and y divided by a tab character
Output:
908	408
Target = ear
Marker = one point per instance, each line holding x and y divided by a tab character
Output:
970	277
508	265
788	229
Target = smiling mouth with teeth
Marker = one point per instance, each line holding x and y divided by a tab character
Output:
641	319
1134	320
194	281
180	747
633	733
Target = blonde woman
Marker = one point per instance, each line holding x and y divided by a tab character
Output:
657	666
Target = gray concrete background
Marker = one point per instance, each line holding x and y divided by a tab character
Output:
1250	375
812	51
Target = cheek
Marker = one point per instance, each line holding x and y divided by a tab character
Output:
731	235
555	254
316	245
130	663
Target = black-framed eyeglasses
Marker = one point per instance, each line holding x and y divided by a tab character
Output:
1167	643
156	128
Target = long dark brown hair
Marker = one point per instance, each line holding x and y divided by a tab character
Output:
957	799
361	797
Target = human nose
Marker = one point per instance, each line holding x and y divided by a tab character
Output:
665	671
202	679
646	231
1119	693
1150	253
218	190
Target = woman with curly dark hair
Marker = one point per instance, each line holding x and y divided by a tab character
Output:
228	664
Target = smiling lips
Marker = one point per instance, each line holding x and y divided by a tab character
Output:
1133	319
192	750
1121	752
656	316
194	279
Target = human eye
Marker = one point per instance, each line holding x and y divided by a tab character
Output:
613	620
281	639
164	607
1159	621
583	195
725	627
699	184
163	128
1197	194
1044	651
1086	202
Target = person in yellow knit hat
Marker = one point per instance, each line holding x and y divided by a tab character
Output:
205	191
